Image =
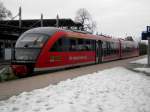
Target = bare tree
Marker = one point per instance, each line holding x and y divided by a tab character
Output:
4	13
129	38
84	17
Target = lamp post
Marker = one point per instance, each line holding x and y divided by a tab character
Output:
20	17
41	20
57	21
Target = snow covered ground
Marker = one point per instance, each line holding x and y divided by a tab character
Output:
112	90
140	61
143	68
146	70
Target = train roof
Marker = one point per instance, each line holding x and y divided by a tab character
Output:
44	30
51	30
128	41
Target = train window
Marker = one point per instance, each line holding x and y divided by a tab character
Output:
89	45
80	45
31	41
116	47
80	41
86	45
135	46
104	47
66	44
110	48
127	47
57	46
93	45
62	45
73	44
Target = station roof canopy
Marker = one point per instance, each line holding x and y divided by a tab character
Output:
32	23
11	27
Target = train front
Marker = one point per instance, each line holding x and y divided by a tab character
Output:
26	52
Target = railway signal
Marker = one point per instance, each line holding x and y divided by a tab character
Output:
146	36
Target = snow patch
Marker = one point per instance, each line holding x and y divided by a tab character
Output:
146	70
140	61
112	90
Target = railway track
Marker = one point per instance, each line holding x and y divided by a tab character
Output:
15	87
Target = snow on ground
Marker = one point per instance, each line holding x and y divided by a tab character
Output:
146	70
112	90
140	61
143	69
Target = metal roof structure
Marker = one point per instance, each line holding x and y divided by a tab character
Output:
9	29
32	23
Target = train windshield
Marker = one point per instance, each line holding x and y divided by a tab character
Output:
28	47
31	41
26	54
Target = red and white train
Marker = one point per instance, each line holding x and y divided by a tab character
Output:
48	48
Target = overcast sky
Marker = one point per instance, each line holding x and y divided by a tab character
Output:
114	17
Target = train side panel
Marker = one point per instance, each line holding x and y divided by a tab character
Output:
55	56
129	49
111	50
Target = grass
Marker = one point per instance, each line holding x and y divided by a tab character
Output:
6	74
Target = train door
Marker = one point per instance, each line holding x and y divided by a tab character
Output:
98	51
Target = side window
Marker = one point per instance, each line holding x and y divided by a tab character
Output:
80	45
65	44
108	48
111	48
116	47
127	47
124	47
104	46
61	45
57	46
93	45
85	45
73	44
89	45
